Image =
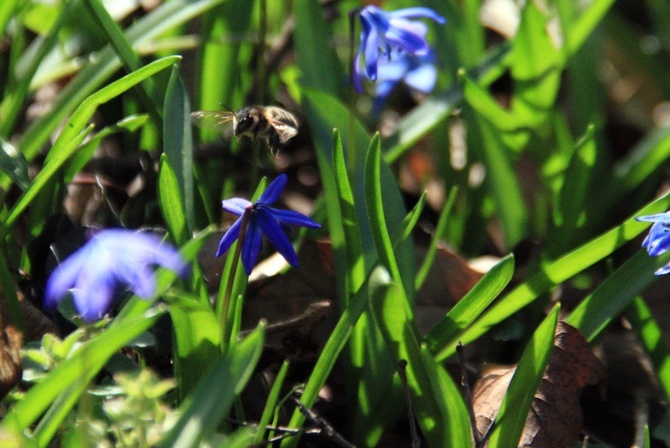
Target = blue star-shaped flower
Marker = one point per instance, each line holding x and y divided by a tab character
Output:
657	241
110	260
263	219
383	32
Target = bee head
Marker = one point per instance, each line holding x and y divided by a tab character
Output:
247	119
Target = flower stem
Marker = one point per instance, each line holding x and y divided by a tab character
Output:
225	308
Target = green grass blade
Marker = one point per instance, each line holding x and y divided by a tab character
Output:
403	342
14	165
331	351
197	339
271	404
441	227
595	312
559	271
514	409
470	307
178	142
355	262
570	214
317	59
651	336
375	207
75	131
161	19
169	200
211	400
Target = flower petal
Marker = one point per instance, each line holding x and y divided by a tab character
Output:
274	233
236	206
64	278
408	36
274	190
229	238
252	245
659	217
417	12
372	55
422	78
289	217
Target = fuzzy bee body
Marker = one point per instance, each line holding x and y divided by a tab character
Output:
270	124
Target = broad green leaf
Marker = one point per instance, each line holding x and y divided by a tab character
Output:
317	59
514	409
170	201
178	143
206	406
644	160
470	307
197	339
355	263
375	208
389	305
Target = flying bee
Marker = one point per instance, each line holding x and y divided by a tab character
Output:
273	125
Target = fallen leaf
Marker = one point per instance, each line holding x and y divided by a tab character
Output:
555	418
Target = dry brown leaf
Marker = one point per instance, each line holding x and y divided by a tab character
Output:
555	418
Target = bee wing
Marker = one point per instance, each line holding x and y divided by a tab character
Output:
285	131
215	120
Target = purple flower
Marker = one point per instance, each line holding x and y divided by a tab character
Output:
657	241
385	32
263	219
417	72
110	260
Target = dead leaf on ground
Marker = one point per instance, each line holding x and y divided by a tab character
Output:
555	418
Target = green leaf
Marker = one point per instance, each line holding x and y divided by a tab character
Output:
14	165
170	202
470	307
271	403
330	353
375	207
74	132
317	58
389	305
514	409
178	143
161	19
551	274
211	400
355	272
197	339
434	242
570	213
604	304
651	336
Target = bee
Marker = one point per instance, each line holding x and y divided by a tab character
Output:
273	125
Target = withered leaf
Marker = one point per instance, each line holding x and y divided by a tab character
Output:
555	418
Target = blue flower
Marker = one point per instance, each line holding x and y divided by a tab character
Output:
263	219
383	32
417	72
110	260
657	241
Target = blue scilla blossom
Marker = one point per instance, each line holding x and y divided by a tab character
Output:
417	72
112	259
657	241
388	33
263	219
